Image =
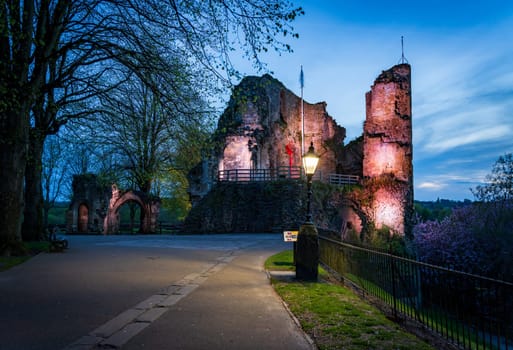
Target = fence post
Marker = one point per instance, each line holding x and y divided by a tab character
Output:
394	294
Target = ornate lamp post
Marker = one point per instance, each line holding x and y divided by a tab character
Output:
307	255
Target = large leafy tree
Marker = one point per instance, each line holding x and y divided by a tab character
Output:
55	54
143	131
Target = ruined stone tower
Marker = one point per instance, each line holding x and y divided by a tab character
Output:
387	144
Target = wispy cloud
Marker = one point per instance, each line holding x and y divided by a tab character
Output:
467	136
462	78
432	185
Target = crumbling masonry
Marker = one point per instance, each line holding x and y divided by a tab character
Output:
261	130
387	150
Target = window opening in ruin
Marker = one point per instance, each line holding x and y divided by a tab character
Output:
83	217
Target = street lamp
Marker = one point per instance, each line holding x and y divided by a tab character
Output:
310	161
307	253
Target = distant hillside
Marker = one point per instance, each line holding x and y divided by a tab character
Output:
439	209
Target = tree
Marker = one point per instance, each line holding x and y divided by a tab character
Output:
57	53
143	131
477	238
498	185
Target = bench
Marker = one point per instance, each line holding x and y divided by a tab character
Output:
57	243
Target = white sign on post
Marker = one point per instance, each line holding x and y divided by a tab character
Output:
290	236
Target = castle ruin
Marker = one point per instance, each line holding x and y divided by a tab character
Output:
95	207
260	132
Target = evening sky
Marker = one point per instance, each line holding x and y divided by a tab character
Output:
461	53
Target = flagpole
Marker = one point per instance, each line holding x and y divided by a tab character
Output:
302	82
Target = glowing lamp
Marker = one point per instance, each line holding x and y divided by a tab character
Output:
307	248
310	161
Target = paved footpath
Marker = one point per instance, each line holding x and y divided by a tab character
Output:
148	292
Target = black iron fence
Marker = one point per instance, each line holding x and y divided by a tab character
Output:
471	312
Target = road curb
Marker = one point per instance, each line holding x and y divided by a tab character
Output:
289	276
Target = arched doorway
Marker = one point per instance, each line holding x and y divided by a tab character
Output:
149	211
131	217
83	218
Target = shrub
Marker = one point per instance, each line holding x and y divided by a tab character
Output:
475	239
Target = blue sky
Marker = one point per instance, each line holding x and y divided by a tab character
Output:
461	53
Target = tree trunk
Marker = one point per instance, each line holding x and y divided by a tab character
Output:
46	211
32	229
14	127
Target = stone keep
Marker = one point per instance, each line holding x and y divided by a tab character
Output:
387	150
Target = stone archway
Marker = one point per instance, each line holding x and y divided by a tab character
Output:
150	208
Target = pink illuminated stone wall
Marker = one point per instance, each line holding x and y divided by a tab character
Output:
387	149
265	120
320	128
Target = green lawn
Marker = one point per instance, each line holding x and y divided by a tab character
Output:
31	248
336	318
6	262
280	262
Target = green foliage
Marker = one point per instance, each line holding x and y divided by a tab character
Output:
437	210
323	192
177	205
283	261
174	209
37	247
6	262
124	212
23	252
384	239
381	239
499	183
57	215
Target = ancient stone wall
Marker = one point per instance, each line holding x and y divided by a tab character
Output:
261	129
253	207
95	207
320	128
150	209
88	205
387	150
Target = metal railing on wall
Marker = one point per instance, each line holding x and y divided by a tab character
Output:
471	312
250	175
285	172
342	179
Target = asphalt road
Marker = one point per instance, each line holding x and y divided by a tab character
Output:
148	292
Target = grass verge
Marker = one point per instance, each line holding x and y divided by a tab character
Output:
334	317
31	248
